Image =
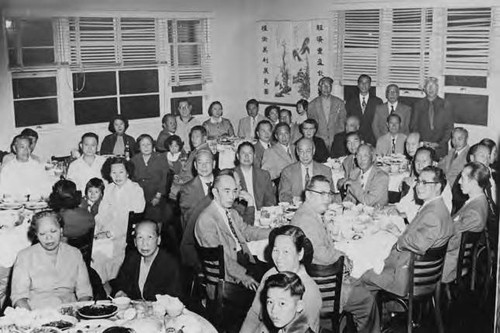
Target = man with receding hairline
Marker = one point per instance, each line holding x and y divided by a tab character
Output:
392	106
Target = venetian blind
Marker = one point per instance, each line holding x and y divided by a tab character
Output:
467	41
361	35
410	47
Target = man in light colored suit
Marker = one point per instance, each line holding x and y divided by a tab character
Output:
328	110
392	142
391	106
453	163
282	154
294	178
309	217
368	185
220	224
264	135
246	126
194	196
254	180
432	227
363	105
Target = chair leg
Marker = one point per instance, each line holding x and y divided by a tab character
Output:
437	309
410	317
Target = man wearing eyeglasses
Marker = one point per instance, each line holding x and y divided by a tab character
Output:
294	178
309	217
432	227
369	184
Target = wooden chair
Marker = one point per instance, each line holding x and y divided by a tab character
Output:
425	273
484	266
329	280
84	244
221	294
133	219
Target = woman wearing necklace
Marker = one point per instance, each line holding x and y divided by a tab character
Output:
118	143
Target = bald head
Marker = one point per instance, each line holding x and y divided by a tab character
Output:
305	150
412	143
352	124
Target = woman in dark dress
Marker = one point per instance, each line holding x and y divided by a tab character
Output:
118	143
150	172
308	129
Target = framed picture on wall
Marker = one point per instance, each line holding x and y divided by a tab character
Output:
195	101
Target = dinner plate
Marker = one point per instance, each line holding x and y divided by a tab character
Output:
97	325
99	311
10	205
36	205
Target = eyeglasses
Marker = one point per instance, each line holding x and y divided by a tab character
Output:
425	182
322	193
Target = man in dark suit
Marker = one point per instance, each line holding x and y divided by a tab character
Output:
264	135
149	270
367	184
328	111
393	105
255	181
432	117
295	177
432	227
194	197
339	146
220	224
363	105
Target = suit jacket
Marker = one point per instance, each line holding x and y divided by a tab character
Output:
353	107
432	227
291	184
276	159
152	177
376	191
211	231
312	224
259	154
384	144
443	123
108	144
163	278
336	119
453	167
471	217
264	192
382	111
339	147
192	201
349	164
245	129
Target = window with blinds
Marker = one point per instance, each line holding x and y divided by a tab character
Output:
467	42
410	47
361	35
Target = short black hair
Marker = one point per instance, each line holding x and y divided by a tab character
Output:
90	135
106	168
40	215
64	195
30	132
267	110
308	121
260	123
394	115
286	281
173	138
200	128
156	224
303	102
144	136
287	111
96	183
439	175
317	179
363	76
111	125
166	116
250	102
245	144
212	105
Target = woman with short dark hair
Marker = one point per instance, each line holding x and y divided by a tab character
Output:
217	126
118	142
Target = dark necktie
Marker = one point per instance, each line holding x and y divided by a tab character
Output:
431	115
455	155
289	153
392	109
243	245
307	178
393	149
363	105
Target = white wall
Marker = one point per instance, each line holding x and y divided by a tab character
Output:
233	54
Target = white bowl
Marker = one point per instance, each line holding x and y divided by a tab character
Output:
122	302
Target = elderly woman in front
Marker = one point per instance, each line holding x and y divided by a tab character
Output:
289	250
50	272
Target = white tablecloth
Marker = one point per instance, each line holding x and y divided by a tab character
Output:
13	240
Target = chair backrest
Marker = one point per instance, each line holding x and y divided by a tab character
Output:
426	271
329	280
133	219
468	248
84	244
212	263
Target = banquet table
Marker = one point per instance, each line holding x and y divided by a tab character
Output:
14	225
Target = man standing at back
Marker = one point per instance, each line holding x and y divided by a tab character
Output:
363	105
246	126
393	105
185	121
329	111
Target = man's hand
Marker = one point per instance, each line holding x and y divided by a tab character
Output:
250	283
121	293
244	195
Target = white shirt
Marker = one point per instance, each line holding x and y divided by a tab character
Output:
286	148
21	178
144	271
266	145
80	172
361	101
223	212
395	105
204	182
303	170
248	176
364	176
183	129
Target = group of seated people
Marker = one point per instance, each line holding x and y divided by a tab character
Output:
175	182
